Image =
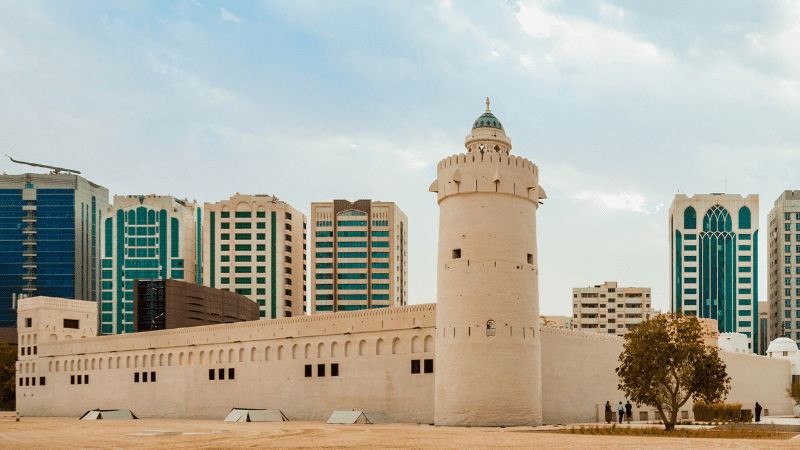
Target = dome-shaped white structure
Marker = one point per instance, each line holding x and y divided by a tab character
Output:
782	347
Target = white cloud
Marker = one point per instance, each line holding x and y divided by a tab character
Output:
226	15
626	201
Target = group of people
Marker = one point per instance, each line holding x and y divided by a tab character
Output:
625	410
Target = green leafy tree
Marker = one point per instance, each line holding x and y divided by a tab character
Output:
665	363
794	392
8	369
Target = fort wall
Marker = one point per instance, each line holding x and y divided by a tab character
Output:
578	377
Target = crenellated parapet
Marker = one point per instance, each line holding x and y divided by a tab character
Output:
468	173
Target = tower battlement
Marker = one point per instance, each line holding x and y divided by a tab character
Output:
466	173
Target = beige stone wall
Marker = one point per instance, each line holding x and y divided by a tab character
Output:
578	377
373	350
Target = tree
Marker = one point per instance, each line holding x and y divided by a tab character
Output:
665	363
8	370
794	392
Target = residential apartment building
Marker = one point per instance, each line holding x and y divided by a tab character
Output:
714	260
48	238
255	245
784	267
609	309
148	237
360	256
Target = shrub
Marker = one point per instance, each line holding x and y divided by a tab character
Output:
722	412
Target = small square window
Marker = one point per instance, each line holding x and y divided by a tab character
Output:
41	381
320	370
334	370
530	258
428	366
211	374
456	253
308	370
28	322
414	366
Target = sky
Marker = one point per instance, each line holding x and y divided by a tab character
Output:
621	104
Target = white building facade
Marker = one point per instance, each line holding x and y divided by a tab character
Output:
714	260
255	245
610	309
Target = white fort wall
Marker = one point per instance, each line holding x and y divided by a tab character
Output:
373	351
578	377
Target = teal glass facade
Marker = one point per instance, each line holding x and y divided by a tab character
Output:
714	260
141	243
718	269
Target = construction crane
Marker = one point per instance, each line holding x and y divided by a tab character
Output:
56	170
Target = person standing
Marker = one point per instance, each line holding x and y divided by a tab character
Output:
758	412
628	411
621	411
608	412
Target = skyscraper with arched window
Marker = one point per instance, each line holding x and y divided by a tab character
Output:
714	260
144	237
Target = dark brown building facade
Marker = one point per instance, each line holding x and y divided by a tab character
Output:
166	304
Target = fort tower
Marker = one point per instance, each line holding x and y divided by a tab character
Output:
487	321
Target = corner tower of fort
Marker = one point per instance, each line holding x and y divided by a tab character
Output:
488	348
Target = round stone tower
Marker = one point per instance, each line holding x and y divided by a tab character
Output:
488	353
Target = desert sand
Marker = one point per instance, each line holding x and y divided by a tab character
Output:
72	434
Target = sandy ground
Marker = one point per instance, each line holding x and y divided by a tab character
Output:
71	434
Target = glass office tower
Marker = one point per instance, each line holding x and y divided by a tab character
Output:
49	238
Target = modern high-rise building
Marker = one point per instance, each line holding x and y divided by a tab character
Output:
784	267
610	309
145	237
48	238
714	260
359	258
763	327
255	245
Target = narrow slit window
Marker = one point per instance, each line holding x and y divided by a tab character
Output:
334	370
231	374
211	374
320	370
414	366
308	370
221	374
530	258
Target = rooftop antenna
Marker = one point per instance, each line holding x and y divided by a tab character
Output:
55	170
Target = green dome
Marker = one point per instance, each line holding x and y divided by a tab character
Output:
487	119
